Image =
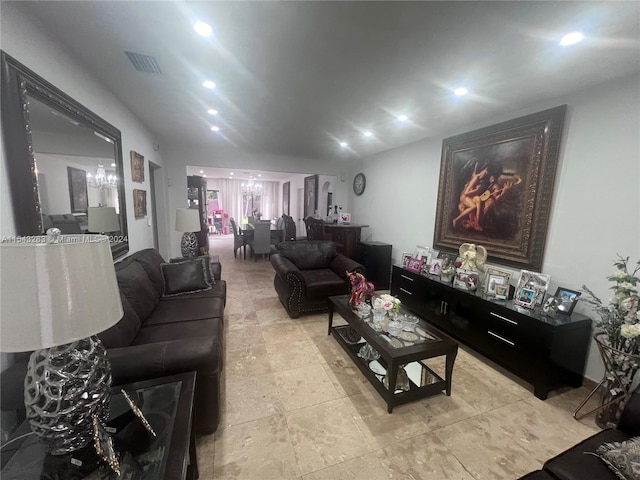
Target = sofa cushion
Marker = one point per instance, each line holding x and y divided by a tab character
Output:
323	283
171	331
308	255
579	463
186	277
122	333
186	308
219	290
151	260
208	262
135	285
622	458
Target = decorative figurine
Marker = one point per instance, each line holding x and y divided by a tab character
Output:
473	257
360	288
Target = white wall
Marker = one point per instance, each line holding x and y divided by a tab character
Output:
596	204
24	39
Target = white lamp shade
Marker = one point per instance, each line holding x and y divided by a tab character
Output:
53	294
103	219
187	220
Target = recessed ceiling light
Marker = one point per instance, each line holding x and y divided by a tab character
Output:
259	174
368	134
344	144
402	118
215	128
202	28
571	38
113	164
212	111
461	91
208	84
231	173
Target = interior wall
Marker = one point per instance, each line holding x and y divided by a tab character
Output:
25	39
595	208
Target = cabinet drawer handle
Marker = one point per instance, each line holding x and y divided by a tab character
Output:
407	278
500	338
504	318
405	291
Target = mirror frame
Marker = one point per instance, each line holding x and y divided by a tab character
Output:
17	82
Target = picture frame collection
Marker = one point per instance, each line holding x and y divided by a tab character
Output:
531	289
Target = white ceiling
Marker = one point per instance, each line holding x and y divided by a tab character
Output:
295	77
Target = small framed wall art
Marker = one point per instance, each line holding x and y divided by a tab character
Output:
137	167
139	203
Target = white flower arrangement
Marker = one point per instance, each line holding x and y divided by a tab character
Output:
387	302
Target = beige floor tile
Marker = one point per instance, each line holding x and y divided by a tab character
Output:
485	450
305	386
324	435
289	356
249	360
347	379
283	333
250	398
365	467
234	321
259	449
239	338
380	427
422	457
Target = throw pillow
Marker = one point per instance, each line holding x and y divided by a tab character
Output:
185	277
622	458
210	277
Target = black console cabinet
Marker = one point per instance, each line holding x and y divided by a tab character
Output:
376	259
548	352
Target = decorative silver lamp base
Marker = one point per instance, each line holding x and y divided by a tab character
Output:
189	245
64	388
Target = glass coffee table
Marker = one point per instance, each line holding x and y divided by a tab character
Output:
408	351
166	403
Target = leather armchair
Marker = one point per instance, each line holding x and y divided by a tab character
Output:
308	272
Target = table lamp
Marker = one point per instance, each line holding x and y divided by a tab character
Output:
188	221
103	219
58	292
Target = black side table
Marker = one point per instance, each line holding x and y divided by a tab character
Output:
167	404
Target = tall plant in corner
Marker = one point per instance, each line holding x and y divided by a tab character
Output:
618	338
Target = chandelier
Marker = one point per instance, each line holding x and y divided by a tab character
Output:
251	187
101	180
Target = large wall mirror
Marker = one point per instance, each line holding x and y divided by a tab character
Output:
64	163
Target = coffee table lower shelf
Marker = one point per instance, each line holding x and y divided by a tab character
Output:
423	381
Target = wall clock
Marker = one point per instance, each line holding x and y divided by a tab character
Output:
359	183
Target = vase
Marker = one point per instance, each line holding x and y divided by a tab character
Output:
620	369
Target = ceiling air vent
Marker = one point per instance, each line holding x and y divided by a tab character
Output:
144	63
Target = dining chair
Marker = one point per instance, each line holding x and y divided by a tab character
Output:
260	244
239	240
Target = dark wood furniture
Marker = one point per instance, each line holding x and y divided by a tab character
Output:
346	235
547	352
167	404
376	258
425	383
197	197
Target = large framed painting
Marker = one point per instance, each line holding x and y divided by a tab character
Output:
496	187
286	194
78	195
310	195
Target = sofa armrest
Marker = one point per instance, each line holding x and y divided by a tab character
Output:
283	266
630	419
342	264
152	360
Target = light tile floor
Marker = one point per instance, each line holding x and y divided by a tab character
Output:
295	407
